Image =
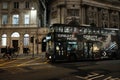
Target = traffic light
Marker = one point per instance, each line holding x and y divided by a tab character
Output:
32	39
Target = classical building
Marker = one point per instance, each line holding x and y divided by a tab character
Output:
21	25
79	12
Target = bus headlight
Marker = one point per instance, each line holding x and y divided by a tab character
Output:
50	57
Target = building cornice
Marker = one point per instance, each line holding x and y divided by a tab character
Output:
100	5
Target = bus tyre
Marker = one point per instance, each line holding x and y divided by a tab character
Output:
53	59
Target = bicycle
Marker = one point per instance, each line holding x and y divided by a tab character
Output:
6	56
14	55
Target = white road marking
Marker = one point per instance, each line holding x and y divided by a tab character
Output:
94	76
111	78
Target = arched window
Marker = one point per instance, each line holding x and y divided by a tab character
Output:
15	34
4	40
26	39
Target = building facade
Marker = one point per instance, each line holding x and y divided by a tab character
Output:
89	12
21	21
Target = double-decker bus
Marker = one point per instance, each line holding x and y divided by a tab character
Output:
66	42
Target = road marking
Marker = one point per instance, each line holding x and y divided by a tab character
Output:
30	64
25	63
21	65
90	76
2	64
110	78
94	76
16	70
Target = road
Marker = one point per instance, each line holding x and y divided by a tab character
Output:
35	69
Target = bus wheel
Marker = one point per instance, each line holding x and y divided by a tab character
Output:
53	59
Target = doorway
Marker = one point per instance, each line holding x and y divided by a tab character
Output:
15	44
88	49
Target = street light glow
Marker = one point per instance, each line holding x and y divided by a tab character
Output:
32	8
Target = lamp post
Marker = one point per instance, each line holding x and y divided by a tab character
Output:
33	48
33	23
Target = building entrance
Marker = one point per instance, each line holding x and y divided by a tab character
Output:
15	44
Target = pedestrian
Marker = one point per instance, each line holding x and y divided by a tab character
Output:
7	53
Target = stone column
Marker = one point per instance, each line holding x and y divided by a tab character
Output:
0	42
32	45
9	42
0	20
10	19
82	15
35	44
40	44
21	43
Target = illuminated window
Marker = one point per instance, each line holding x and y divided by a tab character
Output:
26	19
68	29
4	40
15	34
15	19
26	39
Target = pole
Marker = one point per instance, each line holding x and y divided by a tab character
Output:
33	48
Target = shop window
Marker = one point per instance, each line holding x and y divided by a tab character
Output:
4	40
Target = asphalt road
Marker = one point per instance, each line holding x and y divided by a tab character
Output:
35	69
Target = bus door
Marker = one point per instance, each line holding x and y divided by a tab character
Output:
88	50
72	50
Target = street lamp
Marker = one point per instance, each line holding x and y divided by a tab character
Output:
32	8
